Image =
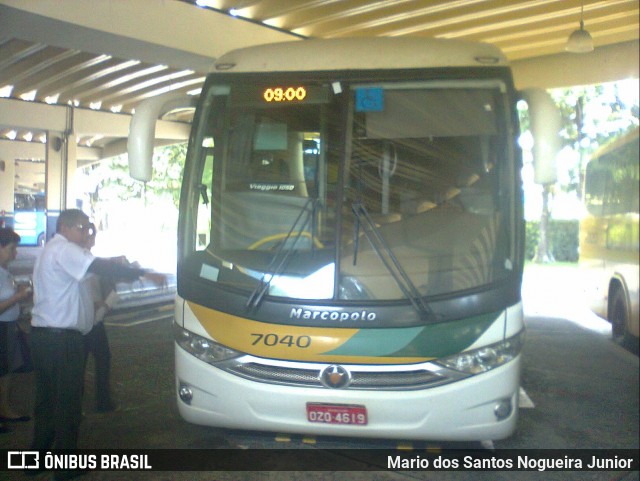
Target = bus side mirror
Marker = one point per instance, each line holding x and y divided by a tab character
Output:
546	124
143	127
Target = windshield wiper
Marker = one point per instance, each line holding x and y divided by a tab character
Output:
283	254
388	258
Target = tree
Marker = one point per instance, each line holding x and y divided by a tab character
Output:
591	115
168	167
112	179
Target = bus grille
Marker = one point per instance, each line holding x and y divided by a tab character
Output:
366	380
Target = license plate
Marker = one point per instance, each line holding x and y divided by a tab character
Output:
337	414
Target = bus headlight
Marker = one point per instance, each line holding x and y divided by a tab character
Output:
204	349
485	358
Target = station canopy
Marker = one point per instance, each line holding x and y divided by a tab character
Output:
110	55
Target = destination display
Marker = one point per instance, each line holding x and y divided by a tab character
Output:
279	94
284	94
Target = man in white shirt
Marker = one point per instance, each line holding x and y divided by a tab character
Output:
62	314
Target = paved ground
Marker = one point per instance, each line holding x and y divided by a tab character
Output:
583	387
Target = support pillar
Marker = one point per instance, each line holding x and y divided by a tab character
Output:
54	179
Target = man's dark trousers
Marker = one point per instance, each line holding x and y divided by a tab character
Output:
58	361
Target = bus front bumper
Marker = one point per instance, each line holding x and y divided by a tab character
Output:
461	411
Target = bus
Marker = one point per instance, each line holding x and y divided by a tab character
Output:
30	218
609	236
350	240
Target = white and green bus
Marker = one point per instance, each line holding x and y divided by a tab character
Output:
351	240
609	236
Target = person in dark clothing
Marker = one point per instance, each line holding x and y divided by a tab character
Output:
10	298
96	342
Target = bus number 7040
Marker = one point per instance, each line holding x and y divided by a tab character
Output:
288	340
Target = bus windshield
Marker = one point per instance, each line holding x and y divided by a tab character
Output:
377	191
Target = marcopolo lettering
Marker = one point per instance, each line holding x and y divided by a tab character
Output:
341	316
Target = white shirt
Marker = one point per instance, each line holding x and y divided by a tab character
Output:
59	299
7	290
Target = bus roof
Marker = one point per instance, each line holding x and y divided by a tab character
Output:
360	54
617	143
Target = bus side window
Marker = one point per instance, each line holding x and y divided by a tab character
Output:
596	186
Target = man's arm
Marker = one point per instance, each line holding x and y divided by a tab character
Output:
119	272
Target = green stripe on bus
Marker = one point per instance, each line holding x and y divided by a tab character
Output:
431	341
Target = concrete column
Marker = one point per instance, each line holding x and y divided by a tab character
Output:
7	182
54	177
71	171
62	164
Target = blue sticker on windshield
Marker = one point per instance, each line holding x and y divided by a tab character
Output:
369	100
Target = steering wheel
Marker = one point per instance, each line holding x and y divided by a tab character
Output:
284	235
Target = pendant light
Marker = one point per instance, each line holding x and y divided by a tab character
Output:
580	41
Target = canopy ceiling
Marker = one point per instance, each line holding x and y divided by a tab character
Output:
108	55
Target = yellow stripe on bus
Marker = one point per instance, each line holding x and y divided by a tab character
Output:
280	341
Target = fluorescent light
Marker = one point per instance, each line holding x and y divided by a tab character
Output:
5	91
29	96
52	99
208	3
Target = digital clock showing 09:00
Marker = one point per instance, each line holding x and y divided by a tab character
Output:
284	94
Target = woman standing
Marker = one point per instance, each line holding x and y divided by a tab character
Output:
10	298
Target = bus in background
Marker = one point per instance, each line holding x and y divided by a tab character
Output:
361	270
609	236
30	218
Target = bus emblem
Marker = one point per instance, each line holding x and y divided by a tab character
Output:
342	316
335	377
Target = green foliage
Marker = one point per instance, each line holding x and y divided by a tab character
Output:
112	180
168	166
592	115
563	237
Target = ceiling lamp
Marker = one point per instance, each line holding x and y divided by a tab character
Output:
580	41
